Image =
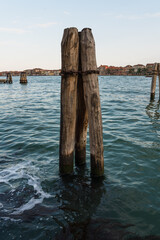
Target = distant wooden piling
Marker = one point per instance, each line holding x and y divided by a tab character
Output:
153	84
70	58
3	80
23	78
159	78
92	99
82	119
9	78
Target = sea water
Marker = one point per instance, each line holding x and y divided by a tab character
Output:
36	203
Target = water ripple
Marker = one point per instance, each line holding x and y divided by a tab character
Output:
32	194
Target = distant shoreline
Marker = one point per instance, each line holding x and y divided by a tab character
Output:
104	70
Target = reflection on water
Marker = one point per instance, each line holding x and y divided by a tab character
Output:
153	113
152	110
79	199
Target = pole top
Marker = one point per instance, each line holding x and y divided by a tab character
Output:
84	29
70	28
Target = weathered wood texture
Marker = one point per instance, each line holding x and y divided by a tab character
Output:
82	120
9	78
23	77
153	84
92	99
70	55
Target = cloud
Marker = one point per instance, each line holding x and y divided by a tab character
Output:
9	43
12	30
4	43
45	25
15	22
153	15
128	17
137	17
66	13
132	16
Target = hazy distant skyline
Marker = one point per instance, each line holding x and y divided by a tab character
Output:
125	32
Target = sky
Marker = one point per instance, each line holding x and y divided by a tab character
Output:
125	32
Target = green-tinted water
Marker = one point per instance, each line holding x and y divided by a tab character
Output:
36	203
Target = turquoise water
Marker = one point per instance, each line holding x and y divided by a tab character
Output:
36	203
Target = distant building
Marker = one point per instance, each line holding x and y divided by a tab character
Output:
137	67
149	69
42	72
103	70
129	70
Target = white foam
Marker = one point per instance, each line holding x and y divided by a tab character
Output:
33	181
24	170
36	184
15	172
32	202
11	219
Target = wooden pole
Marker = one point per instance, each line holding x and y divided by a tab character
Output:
92	99
153	84
9	77
70	55
159	78
23	78
82	120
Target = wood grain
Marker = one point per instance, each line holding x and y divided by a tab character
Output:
153	83
70	56
23	77
92	100
82	119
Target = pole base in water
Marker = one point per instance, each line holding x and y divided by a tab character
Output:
80	156
66	164
152	96
97	167
23	82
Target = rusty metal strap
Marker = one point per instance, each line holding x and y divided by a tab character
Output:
65	73
90	72
155	72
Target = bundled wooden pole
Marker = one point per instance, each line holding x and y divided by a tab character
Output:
153	84
92	99
23	77
159	78
70	56
82	119
9	77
